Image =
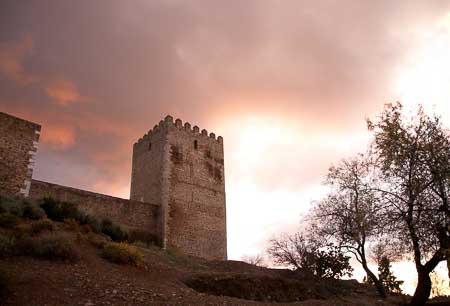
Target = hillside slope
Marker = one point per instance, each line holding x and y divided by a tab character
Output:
162	278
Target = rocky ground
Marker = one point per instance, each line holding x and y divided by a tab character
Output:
168	279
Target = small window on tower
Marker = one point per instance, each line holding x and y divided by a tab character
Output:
195	144
150	146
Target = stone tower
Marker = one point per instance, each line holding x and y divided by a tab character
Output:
182	170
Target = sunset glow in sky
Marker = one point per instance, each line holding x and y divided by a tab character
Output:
288	84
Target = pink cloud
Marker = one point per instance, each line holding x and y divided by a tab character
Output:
12	56
62	92
58	137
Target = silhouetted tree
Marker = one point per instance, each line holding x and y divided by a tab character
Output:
413	157
386	277
350	214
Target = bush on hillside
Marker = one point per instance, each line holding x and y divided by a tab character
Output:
20	207
61	211
72	224
11	205
33	212
41	225
8	220
123	253
114	231
58	211
93	223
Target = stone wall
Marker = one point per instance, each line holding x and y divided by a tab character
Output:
133	214
185	167
18	146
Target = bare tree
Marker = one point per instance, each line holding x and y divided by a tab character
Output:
350	214
414	160
256	260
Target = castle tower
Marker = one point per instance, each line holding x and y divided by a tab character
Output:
182	170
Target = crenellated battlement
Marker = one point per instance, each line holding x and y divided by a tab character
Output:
168	123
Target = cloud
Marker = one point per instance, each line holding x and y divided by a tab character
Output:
62	92
58	137
12	56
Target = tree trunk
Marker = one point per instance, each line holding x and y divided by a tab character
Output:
375	280
423	289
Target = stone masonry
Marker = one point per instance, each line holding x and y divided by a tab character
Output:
183	169
177	184
18	146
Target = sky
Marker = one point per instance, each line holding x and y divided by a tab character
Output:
288	84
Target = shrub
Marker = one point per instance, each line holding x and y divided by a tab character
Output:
6	245
8	220
12	205
97	241
22	208
58	211
93	223
123	253
53	247
33	212
143	237
72	225
115	231
41	225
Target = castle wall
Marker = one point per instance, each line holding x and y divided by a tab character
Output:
133	214
18	146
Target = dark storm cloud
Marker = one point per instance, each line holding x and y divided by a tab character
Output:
98	74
